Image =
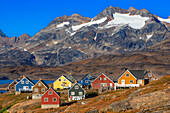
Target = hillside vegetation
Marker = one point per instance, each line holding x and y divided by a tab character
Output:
153	97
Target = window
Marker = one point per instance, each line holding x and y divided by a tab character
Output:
72	93
86	81
81	81
80	93
131	81
22	82
104	78
127	75
152	79
36	90
149	75
39	84
89	77
25	87
43	89
64	79
50	93
100	78
76	87
140	81
27	82
59	79
45	99
54	99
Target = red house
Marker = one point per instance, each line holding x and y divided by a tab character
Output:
50	99
102	82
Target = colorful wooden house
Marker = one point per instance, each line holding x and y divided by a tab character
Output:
50	99
71	78
39	89
150	76
131	78
24	85
62	83
86	81
76	92
11	87
102	82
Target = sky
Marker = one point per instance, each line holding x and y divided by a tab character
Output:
30	16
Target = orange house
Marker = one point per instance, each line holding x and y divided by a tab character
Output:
131	78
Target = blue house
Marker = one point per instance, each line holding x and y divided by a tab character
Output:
86	81
24	85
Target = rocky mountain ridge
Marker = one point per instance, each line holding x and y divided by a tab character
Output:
114	30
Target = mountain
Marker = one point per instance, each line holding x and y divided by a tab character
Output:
114	30
2	34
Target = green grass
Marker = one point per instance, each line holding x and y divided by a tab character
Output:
3	110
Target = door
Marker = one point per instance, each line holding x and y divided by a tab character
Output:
123	82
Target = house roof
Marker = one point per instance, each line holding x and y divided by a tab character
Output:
27	79
71	78
104	75
53	90
139	74
42	81
74	85
85	76
65	77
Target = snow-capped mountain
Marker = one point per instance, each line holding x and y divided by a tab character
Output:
73	38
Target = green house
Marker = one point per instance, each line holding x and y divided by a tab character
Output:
76	92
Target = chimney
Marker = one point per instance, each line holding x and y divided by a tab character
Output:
23	76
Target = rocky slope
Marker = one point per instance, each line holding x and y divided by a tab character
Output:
114	30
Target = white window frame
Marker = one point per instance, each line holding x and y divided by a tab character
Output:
22	82
36	90
25	87
131	81
76	87
72	93
45	100
49	93
60	80
104	78
54	98
153	79
149	75
127	74
64	80
80	93
27	82
39	84
43	90
100	78
86	81
140	81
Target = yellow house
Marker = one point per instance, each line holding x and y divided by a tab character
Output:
62	82
131	78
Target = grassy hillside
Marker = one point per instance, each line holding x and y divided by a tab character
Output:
152	97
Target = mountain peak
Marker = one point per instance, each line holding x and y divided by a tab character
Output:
132	8
76	14
24	36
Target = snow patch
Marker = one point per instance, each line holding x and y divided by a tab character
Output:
134	21
81	51
88	24
55	42
149	36
62	24
72	33
95	37
25	49
164	20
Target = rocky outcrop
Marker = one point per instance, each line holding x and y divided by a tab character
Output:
73	38
2	34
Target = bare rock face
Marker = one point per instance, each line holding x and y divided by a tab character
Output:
2	34
73	38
